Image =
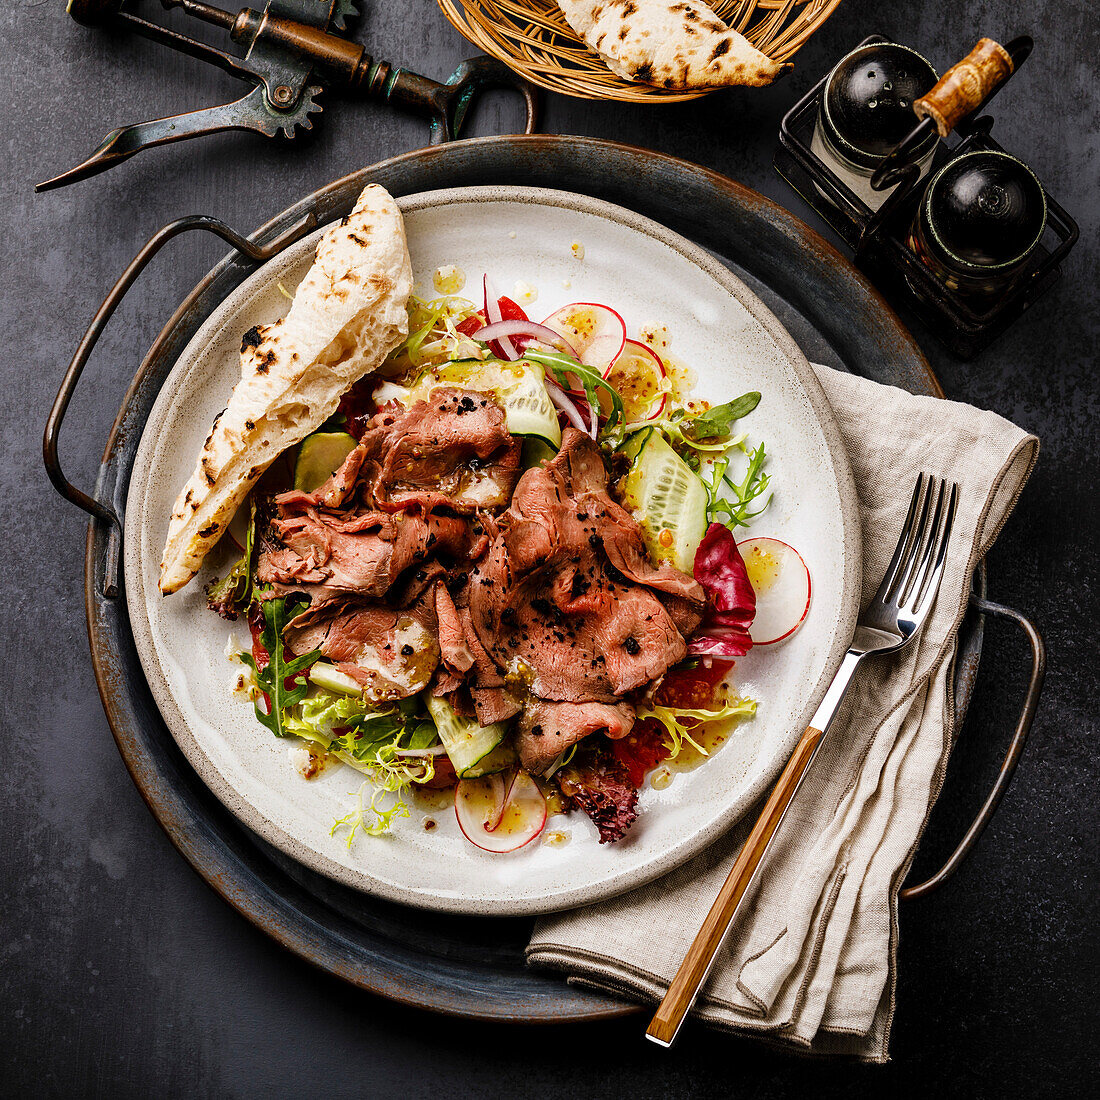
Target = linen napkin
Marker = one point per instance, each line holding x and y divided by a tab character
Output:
810	962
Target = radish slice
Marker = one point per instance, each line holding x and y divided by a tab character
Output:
638	377
523	817
781	581
596	332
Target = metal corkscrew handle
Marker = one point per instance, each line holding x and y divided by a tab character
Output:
291	56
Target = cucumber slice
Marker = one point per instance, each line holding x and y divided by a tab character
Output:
319	457
667	499
519	388
536	451
499	760
635	442
331	678
466	742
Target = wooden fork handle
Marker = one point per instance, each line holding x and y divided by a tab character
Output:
700	956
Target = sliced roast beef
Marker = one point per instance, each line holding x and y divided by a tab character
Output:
452	639
344	552
391	652
452	450
566	598
548	729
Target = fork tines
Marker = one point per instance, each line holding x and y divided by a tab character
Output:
913	575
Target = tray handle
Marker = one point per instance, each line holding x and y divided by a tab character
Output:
1012	757
98	509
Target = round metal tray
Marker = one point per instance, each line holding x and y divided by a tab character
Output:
469	967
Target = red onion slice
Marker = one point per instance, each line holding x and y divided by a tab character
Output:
491	827
493	314
500	329
572	413
500	802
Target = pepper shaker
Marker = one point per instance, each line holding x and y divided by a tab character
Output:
979	223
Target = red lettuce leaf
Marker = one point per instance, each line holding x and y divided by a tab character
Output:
731	601
600	786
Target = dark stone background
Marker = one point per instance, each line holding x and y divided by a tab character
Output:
125	976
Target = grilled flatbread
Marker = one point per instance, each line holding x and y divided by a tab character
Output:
675	44
347	315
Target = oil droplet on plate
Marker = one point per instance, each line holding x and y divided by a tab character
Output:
525	292
449	279
657	337
661	778
555	838
577	249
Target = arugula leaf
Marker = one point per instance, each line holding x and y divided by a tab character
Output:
692	433
281	680
716	422
564	367
711	460
736	512
233	594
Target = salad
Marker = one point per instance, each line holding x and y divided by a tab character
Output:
507	567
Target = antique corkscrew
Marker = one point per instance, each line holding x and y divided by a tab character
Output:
290	53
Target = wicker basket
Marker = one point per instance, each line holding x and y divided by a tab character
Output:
533	38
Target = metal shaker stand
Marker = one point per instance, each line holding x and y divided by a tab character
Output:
878	238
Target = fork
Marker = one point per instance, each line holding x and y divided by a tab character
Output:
898	610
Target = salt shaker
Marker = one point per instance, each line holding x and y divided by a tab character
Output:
865	111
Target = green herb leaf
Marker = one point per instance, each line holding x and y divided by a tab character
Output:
376	815
231	596
679	722
369	736
717	422
281	680
736	512
565	369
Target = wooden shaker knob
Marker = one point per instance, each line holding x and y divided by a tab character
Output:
963	87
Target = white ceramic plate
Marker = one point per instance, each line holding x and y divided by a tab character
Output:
732	342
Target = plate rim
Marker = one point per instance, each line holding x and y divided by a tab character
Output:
677	853
204	835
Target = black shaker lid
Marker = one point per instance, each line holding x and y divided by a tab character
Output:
985	209
868	103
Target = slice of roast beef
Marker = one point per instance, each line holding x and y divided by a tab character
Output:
345	552
547	729
452	450
599	785
391	652
566	598
453	647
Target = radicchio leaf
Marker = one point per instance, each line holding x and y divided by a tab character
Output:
731	601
